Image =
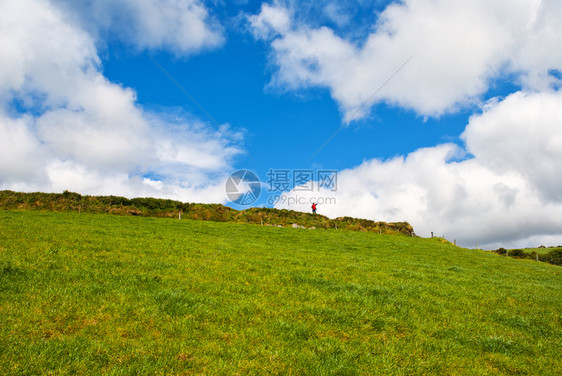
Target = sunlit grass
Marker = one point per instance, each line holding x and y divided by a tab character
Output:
92	294
540	250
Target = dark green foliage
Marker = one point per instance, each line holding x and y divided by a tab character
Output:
517	253
553	257
501	251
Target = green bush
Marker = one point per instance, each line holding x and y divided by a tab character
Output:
500	251
517	253
553	257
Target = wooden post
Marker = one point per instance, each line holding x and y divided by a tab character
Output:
336	226
537	256
179	215
455	242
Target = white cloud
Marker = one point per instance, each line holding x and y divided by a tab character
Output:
271	21
537	52
84	180
522	134
180	26
84	133
507	194
336	13
459	47
20	152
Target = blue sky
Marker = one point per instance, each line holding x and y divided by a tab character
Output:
464	140
283	130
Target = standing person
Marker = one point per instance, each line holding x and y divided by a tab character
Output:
314	208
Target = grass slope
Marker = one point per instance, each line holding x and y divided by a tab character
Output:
541	251
162	208
101	294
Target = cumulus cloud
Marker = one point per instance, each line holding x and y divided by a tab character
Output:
180	26
459	48
20	151
65	126
522	134
336	13
506	194
271	21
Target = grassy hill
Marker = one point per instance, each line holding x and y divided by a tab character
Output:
541	251
161	208
124	295
552	255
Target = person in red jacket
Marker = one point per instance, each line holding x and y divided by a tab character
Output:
314	208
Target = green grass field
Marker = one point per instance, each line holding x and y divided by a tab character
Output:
540	251
103	294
